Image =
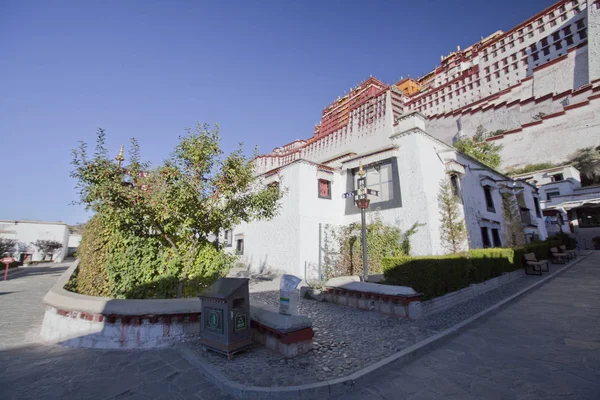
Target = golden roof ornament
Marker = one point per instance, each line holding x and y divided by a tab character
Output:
120	157
361	171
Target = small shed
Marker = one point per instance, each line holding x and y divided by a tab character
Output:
225	323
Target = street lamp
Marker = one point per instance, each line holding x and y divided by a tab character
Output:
362	202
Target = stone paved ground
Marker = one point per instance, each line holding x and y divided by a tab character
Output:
29	370
544	346
346	339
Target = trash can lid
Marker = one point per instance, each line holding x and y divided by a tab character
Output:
224	288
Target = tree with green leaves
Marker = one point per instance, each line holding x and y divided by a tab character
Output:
196	192
483	151
383	240
48	247
453	231
514	235
587	161
7	246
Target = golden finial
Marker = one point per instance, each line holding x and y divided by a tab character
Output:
120	157
361	171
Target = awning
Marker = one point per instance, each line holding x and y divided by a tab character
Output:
455	166
569	205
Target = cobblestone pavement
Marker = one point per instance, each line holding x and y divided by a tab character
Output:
346	339
544	346
30	370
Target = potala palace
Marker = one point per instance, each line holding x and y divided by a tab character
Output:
536	87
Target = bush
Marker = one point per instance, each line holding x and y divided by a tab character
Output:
438	275
433	276
564	239
92	278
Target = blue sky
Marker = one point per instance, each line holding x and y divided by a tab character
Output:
263	70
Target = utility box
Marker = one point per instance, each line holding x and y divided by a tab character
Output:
225	323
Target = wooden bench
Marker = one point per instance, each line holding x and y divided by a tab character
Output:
571	253
558	257
530	260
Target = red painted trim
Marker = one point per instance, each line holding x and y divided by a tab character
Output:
543	98
594	97
499	105
563	94
495	137
531	124
528	100
512	103
530	77
512	131
554	115
577	105
549	63
582	89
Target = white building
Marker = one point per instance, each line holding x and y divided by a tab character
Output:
28	232
567	206
406	165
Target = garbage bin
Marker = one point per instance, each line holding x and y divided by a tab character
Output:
225	326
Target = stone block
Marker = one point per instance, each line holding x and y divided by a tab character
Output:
268	315
415	310
400	310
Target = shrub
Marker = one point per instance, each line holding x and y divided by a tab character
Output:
432	276
438	275
92	278
564	239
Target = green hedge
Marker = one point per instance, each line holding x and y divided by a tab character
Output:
437	275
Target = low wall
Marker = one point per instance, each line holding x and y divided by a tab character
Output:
289	335
451	299
387	299
97	322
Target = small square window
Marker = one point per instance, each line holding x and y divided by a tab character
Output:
569	40
324	189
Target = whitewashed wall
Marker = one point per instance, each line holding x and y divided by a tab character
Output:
27	232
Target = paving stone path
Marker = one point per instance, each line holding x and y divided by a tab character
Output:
346	339
30	370
544	346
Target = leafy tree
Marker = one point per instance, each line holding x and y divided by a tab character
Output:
48	247
587	161
477	147
453	232
7	246
178	204
514	235
382	241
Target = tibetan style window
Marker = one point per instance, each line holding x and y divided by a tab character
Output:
455	184
485	237
227	238
381	176
496	238
550	195
538	211
239	247
489	201
324	189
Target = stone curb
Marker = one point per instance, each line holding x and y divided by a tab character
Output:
340	386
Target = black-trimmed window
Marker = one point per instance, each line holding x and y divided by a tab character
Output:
536	203
485	237
324	189
381	176
455	184
489	201
496	237
557	177
228	238
239	247
550	195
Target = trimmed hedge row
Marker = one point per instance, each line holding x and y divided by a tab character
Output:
438	275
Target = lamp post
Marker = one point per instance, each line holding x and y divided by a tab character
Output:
362	202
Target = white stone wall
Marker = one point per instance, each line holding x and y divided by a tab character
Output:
593	26
73	331
27	232
555	139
